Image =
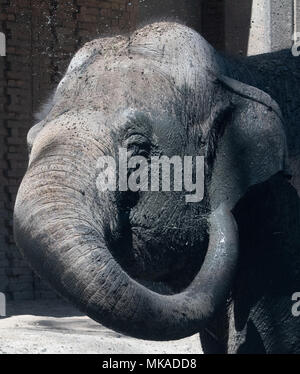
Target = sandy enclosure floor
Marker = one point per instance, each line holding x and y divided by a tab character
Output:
46	327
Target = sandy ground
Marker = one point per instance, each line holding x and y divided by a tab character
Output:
56	327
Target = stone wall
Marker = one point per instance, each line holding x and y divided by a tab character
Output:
41	38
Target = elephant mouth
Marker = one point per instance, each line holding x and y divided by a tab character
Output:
140	248
150	262
146	261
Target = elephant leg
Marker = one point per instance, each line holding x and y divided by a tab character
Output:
261	318
270	329
214	337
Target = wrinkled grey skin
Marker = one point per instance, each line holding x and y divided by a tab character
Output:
148	264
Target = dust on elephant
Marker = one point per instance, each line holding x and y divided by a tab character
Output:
147	263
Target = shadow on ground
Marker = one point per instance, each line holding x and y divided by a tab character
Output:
54	327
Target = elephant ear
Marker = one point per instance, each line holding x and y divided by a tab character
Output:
252	147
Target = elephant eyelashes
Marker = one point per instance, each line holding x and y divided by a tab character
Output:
136	150
138	145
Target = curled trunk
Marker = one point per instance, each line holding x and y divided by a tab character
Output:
60	224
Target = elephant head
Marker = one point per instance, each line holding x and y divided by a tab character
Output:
145	263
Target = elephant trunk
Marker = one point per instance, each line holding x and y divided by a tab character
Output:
60	223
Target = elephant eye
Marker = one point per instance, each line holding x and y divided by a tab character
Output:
137	150
138	145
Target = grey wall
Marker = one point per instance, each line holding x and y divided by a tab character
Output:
187	11
268	23
237	26
205	16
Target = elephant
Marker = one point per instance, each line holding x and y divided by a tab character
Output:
147	263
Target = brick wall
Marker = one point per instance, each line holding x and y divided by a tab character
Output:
41	38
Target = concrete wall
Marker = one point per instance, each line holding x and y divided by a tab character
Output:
297	15
259	26
237	26
281	24
270	25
